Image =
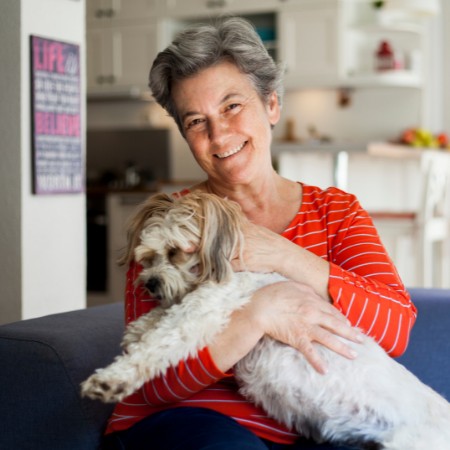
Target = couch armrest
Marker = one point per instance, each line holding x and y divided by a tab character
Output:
43	362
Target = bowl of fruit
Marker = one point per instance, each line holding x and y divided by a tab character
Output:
422	138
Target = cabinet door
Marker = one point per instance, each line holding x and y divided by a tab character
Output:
208	8
309	46
135	48
196	8
102	12
119	59
99	59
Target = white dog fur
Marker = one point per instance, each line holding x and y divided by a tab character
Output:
185	246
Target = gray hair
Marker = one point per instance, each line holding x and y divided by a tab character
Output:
199	47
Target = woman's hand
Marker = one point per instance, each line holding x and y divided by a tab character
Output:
265	251
258	252
297	312
294	314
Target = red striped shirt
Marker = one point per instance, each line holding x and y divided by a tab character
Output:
363	284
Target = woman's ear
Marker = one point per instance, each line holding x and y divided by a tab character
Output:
273	109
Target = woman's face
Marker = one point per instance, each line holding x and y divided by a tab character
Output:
225	123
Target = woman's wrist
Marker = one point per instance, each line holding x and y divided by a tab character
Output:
304	267
241	335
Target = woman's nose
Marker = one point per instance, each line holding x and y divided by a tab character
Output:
217	129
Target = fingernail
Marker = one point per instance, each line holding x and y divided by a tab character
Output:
353	354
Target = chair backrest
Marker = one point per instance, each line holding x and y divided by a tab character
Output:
433	219
434	213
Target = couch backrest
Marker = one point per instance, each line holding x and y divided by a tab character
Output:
43	362
428	352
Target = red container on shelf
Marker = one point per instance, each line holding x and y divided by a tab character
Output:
384	57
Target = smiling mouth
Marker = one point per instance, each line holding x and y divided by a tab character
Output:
231	152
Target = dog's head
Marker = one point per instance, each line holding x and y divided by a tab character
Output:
184	241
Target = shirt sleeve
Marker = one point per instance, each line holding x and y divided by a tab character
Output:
181	381
364	283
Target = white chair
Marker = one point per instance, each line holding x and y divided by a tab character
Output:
425	261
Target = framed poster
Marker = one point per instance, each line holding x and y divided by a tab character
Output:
58	166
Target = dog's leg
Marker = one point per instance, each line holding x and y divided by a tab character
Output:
116	381
178	333
136	329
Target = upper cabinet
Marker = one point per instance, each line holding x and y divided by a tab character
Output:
119	59
122	39
329	43
308	42
364	30
208	8
322	43
101	12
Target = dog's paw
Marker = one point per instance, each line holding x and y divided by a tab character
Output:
101	387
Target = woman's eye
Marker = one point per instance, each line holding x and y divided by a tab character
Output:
233	106
194	123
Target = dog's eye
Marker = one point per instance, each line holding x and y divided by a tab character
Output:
172	253
147	258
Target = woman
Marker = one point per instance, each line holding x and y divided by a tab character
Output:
224	92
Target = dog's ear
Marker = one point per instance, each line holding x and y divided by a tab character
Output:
221	236
156	204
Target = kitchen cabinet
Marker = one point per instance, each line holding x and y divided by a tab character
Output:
308	41
123	37
100	13
363	34
323	43
120	207
332	43
119	58
207	8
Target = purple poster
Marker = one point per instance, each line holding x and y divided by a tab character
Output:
56	110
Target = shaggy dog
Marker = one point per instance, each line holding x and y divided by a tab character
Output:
185	246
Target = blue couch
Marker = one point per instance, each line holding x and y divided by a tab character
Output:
44	360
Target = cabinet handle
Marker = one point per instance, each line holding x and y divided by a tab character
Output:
216	3
111	79
100	79
99	13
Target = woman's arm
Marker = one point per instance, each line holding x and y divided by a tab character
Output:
291	313
349	267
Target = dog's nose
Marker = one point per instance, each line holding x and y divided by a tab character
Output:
152	284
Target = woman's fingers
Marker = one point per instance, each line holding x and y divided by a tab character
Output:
293	314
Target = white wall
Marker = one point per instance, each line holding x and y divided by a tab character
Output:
373	113
43	238
10	188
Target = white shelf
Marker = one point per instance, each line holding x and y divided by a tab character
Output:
392	78
375	28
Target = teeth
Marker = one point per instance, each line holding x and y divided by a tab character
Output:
231	152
